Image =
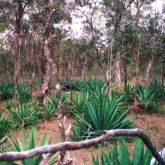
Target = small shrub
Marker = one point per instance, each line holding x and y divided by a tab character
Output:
25	114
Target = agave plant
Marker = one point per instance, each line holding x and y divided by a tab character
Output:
5	127
25	114
94	85
6	90
146	98
157	89
119	155
78	84
50	107
8	163
26	144
64	97
23	93
129	94
101	113
79	101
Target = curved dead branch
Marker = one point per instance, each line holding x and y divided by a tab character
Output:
52	148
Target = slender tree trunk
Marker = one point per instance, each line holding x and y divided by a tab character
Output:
47	41
17	64
137	69
31	53
0	69
70	68
84	67
125	75
163	71
117	68
17	38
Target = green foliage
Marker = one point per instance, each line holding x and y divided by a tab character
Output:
27	145
147	98
24	114
60	14
7	163
6	90
119	155
50	107
101	113
23	92
79	102
64	97
157	89
89	85
129	93
5	127
94	85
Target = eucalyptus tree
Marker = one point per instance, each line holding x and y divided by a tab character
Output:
127	23
118	15
53	13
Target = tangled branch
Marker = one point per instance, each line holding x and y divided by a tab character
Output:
53	148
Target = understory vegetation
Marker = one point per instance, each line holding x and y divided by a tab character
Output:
76	68
92	111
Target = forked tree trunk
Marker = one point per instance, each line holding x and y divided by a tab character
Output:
47	41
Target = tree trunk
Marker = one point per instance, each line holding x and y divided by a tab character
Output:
31	53
47	41
117	69
125	75
84	66
0	69
17	63
163	71
17	39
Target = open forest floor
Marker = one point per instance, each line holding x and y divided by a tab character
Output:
89	111
152	124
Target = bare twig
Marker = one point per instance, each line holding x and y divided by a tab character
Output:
84	144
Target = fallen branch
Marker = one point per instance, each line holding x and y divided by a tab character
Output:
84	144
